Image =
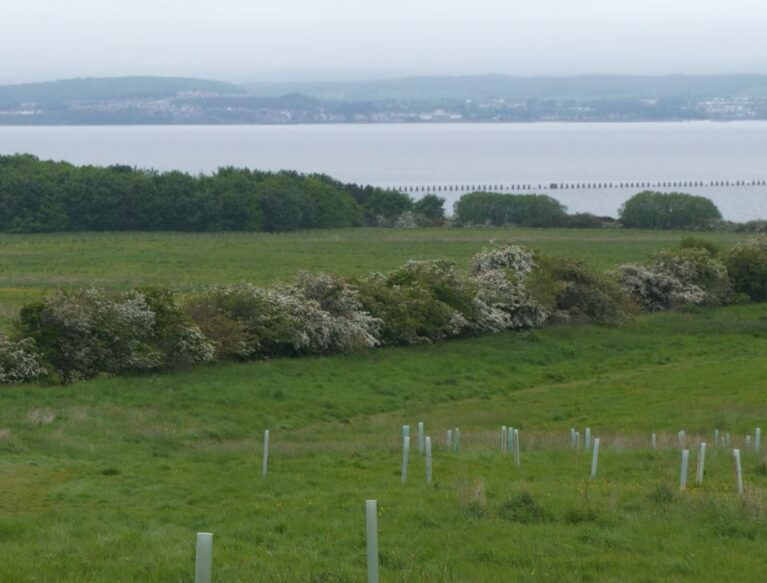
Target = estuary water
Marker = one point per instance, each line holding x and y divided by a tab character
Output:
448	157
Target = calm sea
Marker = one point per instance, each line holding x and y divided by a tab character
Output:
430	155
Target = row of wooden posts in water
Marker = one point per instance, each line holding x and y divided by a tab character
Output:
509	445
529	187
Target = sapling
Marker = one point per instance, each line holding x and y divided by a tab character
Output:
595	458
457	439
683	470
371	523
428	459
203	563
265	466
738	471
701	464
405	456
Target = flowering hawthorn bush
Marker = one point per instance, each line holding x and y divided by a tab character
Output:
19	361
747	266
81	333
687	276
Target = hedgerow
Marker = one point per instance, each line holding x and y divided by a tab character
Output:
77	334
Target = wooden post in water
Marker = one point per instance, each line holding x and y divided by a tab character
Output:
203	562
738	471
265	463
428	459
371	523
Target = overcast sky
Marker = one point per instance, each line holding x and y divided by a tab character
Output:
248	40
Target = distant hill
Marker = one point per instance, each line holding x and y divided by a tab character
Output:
484	87
104	89
467	99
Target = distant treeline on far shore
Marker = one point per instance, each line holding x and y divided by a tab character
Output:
47	196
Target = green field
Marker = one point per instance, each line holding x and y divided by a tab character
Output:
31	264
109	480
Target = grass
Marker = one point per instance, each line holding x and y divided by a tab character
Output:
109	480
31	264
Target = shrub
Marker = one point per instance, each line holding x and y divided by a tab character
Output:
674	210
421	301
319	314
757	226
19	361
408	314
441	279
747	266
697	243
579	221
504	302
522	508
572	290
430	210
85	332
675	278
406	220
697	267
347	323
518	259
180	341
525	210
246	322
654	290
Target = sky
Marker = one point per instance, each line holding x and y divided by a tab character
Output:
255	40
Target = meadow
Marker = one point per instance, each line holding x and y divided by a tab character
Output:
32	264
109	480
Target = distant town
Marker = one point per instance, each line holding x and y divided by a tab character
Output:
191	101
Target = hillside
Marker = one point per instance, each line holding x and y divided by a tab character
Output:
482	87
100	89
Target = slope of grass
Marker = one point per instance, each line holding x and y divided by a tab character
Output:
109	480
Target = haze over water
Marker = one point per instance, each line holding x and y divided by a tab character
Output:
444	154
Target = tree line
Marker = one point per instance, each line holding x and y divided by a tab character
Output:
47	196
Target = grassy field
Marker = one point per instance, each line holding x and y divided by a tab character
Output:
109	480
31	264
